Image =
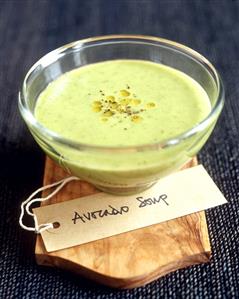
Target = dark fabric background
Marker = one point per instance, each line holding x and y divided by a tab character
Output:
28	30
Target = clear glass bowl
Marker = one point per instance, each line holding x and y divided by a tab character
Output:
121	170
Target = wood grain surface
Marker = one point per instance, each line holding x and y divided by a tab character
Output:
131	259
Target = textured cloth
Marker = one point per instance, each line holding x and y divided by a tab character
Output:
28	30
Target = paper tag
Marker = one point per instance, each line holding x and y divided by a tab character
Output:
102	215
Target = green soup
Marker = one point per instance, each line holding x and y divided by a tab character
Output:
122	103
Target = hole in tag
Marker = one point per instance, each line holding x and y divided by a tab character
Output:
56	224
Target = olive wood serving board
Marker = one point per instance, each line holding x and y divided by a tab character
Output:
130	259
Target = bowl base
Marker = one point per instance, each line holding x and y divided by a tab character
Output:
125	190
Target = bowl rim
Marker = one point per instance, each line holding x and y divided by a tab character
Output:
52	56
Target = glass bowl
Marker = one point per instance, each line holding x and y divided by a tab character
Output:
129	169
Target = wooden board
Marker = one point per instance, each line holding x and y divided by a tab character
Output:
131	259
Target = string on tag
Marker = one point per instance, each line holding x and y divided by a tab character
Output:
25	206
